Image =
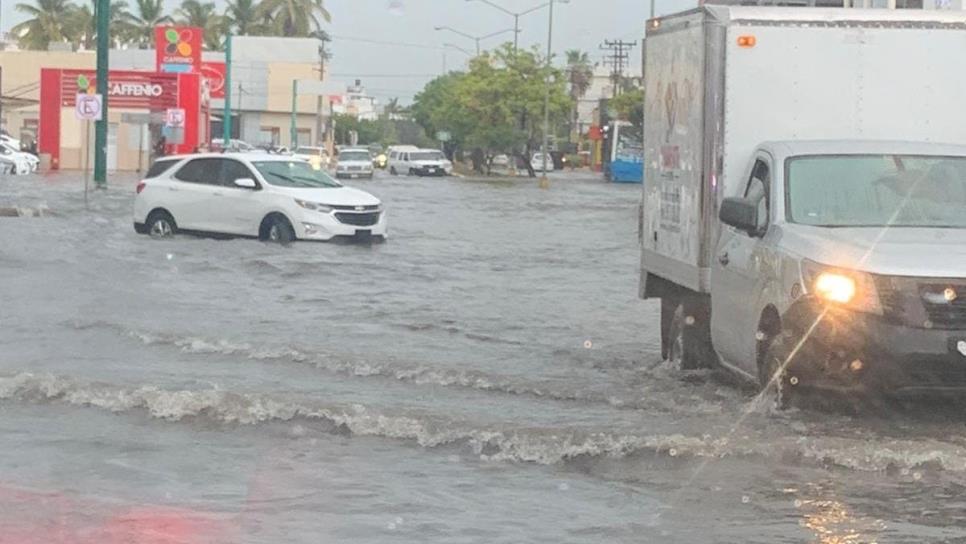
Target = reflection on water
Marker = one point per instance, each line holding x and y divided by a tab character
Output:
834	522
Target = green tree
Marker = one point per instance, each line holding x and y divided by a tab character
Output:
630	106
294	17
497	105
580	75
139	24
243	18
49	22
82	28
204	16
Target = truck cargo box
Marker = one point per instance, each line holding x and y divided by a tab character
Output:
720	80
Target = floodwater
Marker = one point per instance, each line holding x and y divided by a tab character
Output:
487	375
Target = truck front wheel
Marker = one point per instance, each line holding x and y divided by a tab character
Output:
688	345
773	369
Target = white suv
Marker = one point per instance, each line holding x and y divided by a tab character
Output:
271	197
419	162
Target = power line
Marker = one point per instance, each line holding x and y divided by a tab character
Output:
382	42
619	54
412	76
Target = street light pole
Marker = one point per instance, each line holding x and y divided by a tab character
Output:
546	99
100	135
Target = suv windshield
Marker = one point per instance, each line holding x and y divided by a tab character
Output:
354	156
294	174
426	156
877	191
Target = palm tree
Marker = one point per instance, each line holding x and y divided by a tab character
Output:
48	23
243	18
581	75
139	26
82	28
294	17
204	16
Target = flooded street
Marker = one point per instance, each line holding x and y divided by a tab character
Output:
486	375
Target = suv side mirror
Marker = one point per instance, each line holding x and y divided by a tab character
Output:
246	183
739	213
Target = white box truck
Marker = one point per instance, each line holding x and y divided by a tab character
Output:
803	219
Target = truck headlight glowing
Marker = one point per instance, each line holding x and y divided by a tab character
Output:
835	287
849	288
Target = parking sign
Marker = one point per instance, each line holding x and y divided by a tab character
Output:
174	117
89	107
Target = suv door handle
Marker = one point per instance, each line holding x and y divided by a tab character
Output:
723	259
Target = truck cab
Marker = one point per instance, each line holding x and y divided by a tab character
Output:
855	250
800	223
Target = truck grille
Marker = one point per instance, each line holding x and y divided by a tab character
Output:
358	219
943	313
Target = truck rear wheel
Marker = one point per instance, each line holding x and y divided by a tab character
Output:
688	345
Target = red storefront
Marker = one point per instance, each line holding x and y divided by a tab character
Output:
128	91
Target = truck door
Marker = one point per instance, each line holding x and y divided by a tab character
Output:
736	279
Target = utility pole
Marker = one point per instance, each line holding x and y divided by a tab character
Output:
293	134
103	17
621	50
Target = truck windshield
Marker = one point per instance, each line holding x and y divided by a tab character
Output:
876	191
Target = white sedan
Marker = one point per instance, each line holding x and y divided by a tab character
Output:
271	197
537	162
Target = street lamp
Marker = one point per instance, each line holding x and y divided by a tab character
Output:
476	38
516	17
546	94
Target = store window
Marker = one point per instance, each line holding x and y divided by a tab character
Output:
304	136
269	135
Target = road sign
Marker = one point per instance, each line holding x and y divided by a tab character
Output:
174	118
443	136
88	107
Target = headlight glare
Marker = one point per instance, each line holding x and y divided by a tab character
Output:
850	288
835	287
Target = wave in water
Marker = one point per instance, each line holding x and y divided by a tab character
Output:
519	444
629	399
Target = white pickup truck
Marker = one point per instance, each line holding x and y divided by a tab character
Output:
804	216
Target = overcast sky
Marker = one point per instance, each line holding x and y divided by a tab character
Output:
417	56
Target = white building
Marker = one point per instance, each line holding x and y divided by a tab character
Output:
357	103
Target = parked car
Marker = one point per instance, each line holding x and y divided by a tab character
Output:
270	197
420	162
316	156
537	162
234	146
353	163
23	163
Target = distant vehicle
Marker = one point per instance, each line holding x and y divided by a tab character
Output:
234	146
353	163
537	162
316	156
501	161
801	264
23	163
270	197
7	166
624	153
419	162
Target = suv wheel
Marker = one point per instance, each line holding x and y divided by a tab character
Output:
773	376
160	224
278	230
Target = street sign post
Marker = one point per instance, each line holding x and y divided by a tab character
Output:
174	117
87	108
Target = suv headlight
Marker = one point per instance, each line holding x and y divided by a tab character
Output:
849	288
313	206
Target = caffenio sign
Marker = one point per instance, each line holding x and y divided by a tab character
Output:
135	89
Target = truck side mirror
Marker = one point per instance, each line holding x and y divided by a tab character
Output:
740	213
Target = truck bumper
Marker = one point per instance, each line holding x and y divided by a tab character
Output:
852	351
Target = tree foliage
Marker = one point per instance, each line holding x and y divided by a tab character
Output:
496	105
72	21
630	106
